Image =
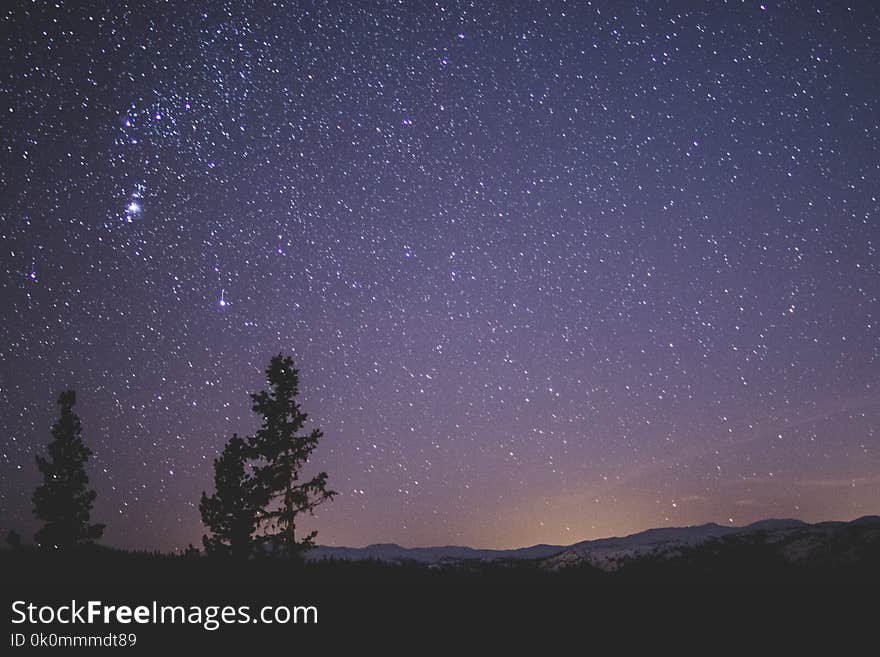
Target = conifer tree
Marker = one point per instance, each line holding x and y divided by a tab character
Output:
231	512
13	539
63	501
280	452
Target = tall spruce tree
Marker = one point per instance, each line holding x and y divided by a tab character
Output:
280	452
63	501
231	512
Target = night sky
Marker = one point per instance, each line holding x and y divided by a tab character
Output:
550	271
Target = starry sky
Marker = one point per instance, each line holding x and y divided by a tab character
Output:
550	271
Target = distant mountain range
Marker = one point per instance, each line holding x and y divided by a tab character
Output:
795	540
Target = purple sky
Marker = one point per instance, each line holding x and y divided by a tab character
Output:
550	271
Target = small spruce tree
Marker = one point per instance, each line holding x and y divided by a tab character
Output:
13	539
280	452
231	512
63	501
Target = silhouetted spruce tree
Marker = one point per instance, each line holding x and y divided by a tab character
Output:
280	452
231	512
13	539
63	501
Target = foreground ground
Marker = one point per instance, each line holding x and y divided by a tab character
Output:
729	594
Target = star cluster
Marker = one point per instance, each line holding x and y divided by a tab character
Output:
550	270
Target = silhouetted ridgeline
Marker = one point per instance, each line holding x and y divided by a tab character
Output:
800	583
794	540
